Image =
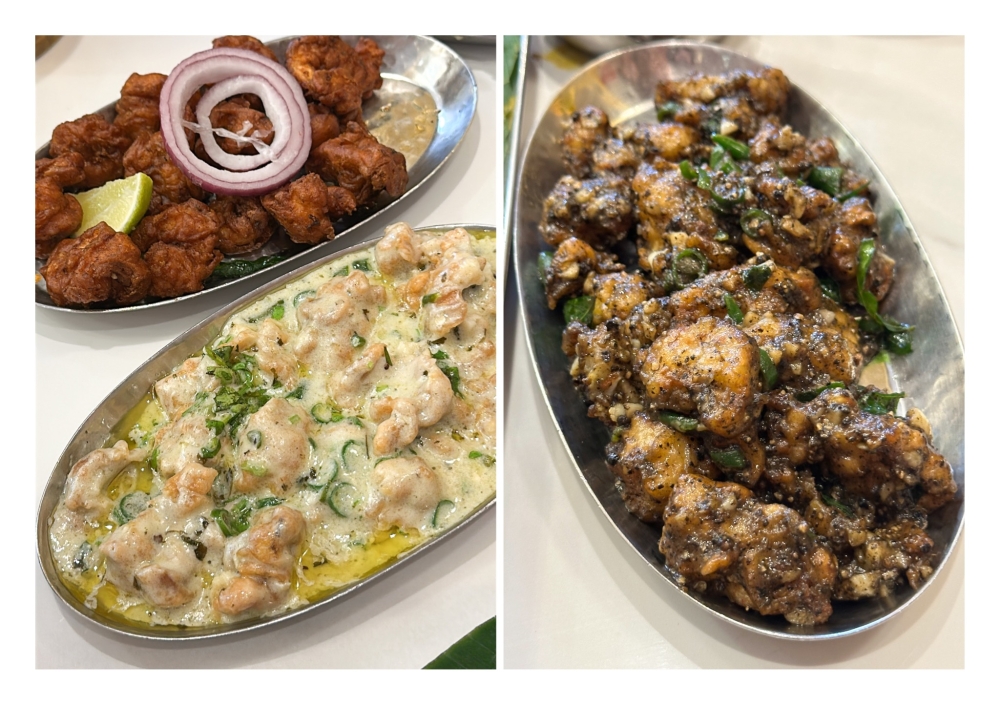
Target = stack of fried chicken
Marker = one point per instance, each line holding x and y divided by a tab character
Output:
187	231
727	357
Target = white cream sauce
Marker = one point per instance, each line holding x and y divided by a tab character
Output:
328	363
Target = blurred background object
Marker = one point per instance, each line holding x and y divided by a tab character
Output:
44	43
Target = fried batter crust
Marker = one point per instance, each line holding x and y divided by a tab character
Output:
100	266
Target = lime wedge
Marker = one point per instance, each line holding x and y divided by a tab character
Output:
121	204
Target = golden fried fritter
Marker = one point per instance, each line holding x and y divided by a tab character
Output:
100	266
325	125
170	186
65	170
101	144
356	161
301	208
333	73
185	223
245	224
242	41
178	269
57	215
138	110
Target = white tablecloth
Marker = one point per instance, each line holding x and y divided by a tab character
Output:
575	593
404	619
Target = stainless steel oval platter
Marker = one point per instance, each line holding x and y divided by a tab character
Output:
97	429
423	110
623	84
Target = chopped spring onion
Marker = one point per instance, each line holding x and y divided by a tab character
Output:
737	149
768	369
826	179
753	221
357	341
129	507
842	508
442	511
428	299
211	450
301	295
322	412
340	498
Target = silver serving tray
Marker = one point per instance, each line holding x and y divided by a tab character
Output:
95	431
414	67
510	160
622	84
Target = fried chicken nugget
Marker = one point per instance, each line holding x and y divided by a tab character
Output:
100	266
56	216
148	155
181	269
101	144
242	41
334	73
66	170
245	224
357	162
301	208
185	223
138	110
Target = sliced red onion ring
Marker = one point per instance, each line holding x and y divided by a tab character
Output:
239	71
274	105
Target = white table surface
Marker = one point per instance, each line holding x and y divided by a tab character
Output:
403	620
575	593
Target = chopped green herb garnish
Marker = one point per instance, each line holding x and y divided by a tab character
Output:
733	309
826	179
731	458
756	276
357	341
362	265
580	308
768	370
813	393
428	299
880	403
